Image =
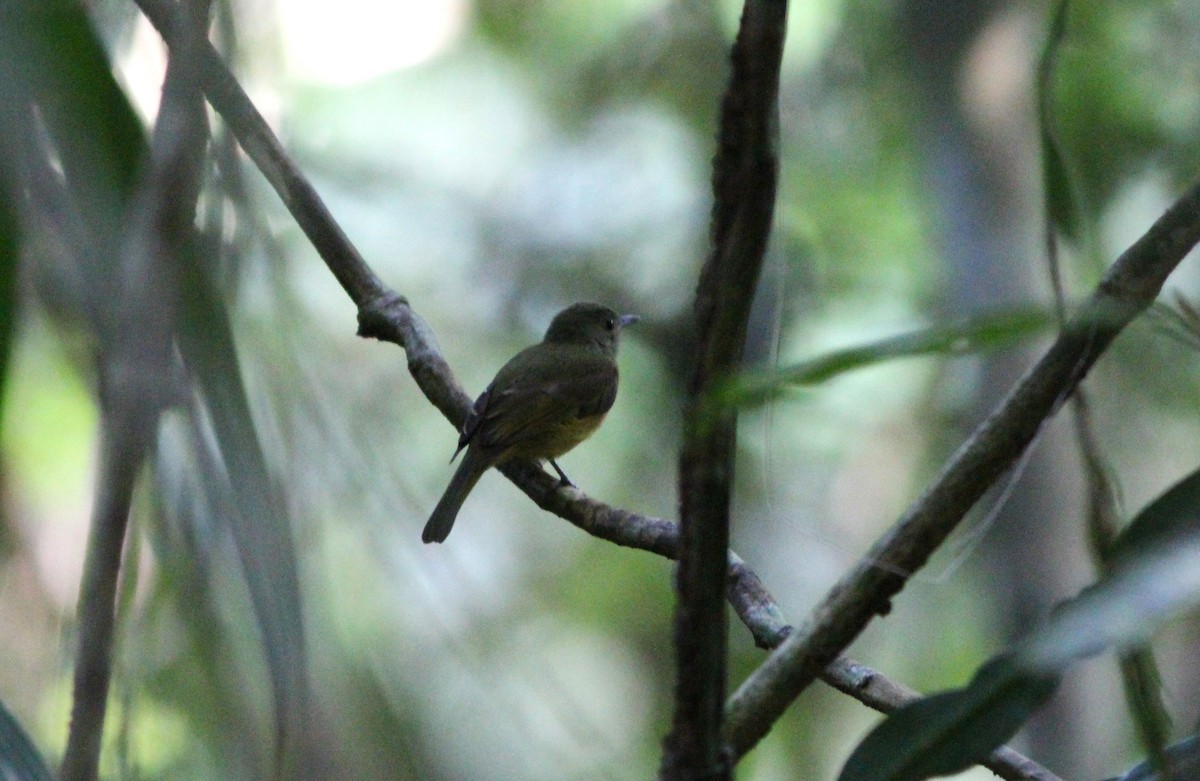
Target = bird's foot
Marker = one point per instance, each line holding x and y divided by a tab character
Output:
563	480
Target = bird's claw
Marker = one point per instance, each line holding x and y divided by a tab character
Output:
563	480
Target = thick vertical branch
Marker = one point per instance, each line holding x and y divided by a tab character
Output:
744	182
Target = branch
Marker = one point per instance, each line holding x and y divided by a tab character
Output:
123	445
745	173
1128	288
386	315
255	136
134	351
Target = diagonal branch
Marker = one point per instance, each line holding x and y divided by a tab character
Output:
1128	288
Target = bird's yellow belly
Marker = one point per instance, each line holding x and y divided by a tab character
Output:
558	440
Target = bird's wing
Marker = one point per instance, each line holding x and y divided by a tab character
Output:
473	421
522	408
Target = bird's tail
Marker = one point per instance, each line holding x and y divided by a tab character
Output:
470	469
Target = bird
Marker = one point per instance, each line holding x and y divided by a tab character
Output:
546	400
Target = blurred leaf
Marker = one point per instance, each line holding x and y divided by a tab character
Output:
1172	516
1155	574
49	53
1178	319
10	242
51	56
1143	690
985	332
1184	760
10	246
1062	206
19	758
78	146
1060	200
257	516
209	684
949	732
69	116
1175	515
1143	590
1120	88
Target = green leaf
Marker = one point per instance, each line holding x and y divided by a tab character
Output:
985	332
258	518
1143	691
19	758
1061	202
51	56
212	684
948	732
1062	205
1155	575
1172	516
10	247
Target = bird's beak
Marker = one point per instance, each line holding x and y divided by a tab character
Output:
625	320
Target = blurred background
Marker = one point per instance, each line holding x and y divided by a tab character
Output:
497	160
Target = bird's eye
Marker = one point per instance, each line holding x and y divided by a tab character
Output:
610	324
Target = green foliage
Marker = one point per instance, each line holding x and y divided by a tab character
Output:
1061	203
975	335
1155	573
51	57
949	732
49	54
1144	693
1169	518
542	157
9	257
254	507
19	758
1165	521
1155	576
1122	101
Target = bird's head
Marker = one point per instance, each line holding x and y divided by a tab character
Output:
590	325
